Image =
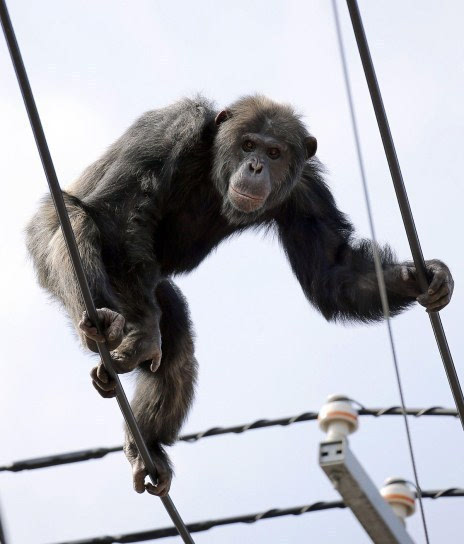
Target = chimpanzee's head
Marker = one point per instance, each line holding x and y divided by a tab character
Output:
260	151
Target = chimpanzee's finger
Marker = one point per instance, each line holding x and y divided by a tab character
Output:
439	278
101	378
162	486
116	328
105	394
139	473
439	304
439	309
89	329
102	374
427	298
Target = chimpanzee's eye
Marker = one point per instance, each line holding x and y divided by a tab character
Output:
274	153
248	145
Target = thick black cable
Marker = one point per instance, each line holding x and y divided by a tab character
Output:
403	201
2	534
378	263
155	534
68	234
98	453
3	539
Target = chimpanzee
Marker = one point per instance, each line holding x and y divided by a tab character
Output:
165	194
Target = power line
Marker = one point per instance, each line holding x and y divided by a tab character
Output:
155	534
403	202
375	248
3	539
98	453
68	234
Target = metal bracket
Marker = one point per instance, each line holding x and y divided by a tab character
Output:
360	494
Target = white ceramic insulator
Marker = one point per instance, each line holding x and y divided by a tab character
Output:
400	497
338	418
401	510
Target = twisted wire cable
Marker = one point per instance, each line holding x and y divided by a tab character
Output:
155	534
98	453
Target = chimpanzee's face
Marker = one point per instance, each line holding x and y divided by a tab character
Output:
263	164
259	153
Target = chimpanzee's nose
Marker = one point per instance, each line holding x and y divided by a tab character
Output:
255	167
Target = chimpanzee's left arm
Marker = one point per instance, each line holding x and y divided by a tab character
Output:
336	272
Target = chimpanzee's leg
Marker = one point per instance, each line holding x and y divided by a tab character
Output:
162	399
141	314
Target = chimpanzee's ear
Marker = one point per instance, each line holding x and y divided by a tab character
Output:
222	116
311	146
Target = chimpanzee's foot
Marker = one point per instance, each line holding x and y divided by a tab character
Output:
137	347
112	324
133	350
139	472
102	382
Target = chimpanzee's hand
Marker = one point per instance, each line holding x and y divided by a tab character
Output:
112	324
139	472
440	288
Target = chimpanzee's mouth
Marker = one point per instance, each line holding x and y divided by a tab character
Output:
250	197
243	202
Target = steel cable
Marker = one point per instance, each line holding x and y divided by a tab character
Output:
403	202
155	534
68	234
98	453
375	250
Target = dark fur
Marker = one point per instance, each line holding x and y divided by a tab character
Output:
156	204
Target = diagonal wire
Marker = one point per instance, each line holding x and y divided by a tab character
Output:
3	539
403	202
378	263
155	534
98	453
68	234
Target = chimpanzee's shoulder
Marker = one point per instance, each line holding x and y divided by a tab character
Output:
180	116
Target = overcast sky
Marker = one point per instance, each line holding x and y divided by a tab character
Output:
263	351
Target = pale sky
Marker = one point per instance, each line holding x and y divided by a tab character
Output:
264	352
